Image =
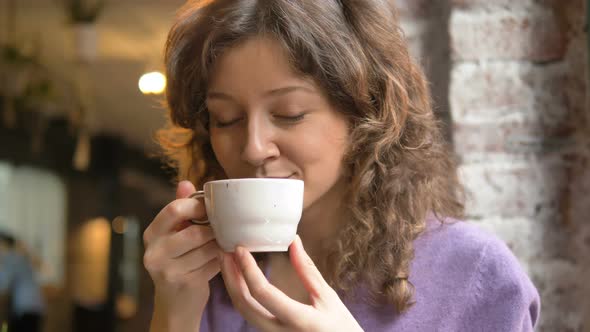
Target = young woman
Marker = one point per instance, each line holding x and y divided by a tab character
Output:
322	91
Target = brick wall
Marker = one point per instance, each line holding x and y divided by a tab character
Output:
518	102
424	23
512	76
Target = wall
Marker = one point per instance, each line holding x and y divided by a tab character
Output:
510	78
424	23
518	99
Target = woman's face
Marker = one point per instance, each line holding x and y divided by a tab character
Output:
267	121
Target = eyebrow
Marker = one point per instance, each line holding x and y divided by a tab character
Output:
270	93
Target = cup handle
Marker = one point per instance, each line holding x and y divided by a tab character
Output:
197	195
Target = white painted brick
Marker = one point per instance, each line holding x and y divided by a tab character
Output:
532	34
513	231
490	139
513	189
580	194
495	5
491	90
563	291
537	199
415	33
416	8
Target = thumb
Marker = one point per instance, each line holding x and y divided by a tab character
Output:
306	270
184	189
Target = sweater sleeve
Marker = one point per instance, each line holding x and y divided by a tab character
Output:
502	296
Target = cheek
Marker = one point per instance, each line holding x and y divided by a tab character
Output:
217	146
319	156
321	165
223	149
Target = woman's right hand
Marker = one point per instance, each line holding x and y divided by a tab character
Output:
181	258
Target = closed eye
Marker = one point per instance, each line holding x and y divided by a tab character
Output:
287	119
291	119
221	124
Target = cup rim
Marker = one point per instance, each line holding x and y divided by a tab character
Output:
252	180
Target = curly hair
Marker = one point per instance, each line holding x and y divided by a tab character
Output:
398	165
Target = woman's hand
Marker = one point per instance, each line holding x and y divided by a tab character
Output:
181	258
269	309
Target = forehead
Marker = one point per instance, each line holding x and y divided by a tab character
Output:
254	64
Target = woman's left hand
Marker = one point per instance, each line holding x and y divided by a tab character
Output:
269	309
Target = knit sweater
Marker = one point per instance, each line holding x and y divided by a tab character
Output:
465	279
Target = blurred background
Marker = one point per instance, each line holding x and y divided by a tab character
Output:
80	180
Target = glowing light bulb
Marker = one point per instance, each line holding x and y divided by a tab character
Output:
152	83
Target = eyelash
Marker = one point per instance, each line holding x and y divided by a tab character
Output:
292	119
288	119
220	124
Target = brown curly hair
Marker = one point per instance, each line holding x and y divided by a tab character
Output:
398	165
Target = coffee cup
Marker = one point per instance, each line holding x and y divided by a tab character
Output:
260	214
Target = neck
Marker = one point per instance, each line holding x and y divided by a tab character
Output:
321	221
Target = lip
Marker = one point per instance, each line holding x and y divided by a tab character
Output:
277	177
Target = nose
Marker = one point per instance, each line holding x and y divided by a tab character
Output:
259	146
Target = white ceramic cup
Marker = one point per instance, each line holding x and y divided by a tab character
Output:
259	214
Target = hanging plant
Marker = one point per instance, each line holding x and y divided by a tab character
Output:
15	71
14	55
83	15
84	11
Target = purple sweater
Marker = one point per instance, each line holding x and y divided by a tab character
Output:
465	280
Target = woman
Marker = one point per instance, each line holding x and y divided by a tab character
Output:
322	91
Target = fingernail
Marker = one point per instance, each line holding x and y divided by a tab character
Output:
298	240
239	252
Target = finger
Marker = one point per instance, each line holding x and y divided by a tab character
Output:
192	237
172	215
237	289
175	270
284	308
196	258
184	189
163	251
309	274
204	272
211	269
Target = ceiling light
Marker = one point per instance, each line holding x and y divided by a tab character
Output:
152	83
